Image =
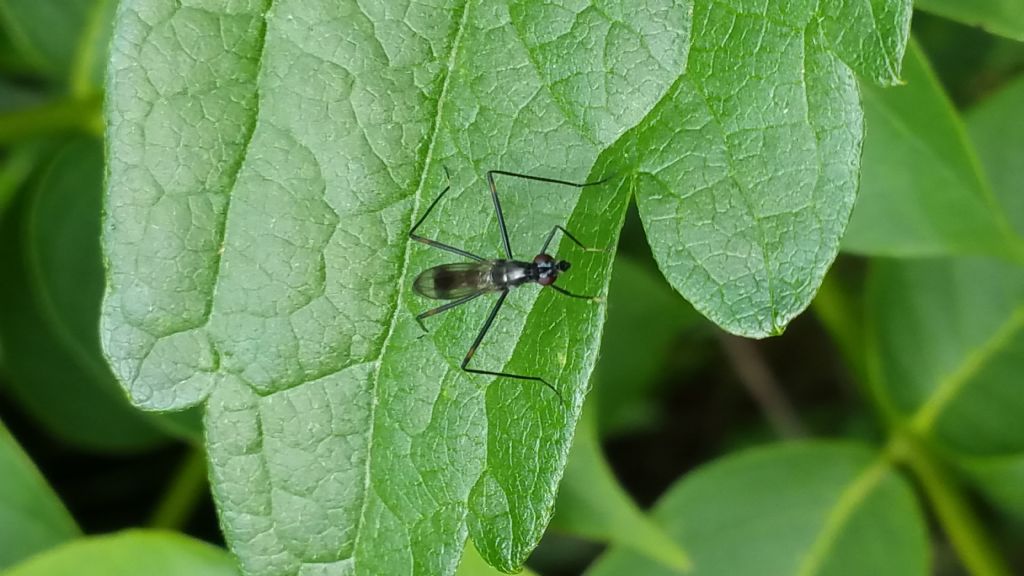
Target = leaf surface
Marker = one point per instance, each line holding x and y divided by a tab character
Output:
266	165
786	510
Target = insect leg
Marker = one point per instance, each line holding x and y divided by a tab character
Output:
571	295
497	205
549	180
480	338
497	210
445	307
435	243
551	236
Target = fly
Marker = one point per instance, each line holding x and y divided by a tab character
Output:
461	282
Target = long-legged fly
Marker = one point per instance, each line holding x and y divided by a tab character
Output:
461	282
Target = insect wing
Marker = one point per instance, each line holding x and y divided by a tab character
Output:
451	281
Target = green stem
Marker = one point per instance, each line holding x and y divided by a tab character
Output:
52	117
972	543
183	494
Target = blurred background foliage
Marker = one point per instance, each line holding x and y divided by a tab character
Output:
943	179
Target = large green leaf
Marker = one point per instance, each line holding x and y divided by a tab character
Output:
267	163
265	167
790	510
922	189
746	173
149	552
32	518
948	336
1005	17
50	304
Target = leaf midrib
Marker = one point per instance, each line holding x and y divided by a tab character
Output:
852	496
403	275
924	419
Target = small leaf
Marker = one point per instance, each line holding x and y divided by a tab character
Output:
922	189
786	510
265	167
32	517
50	305
1005	17
593	505
130	553
746	173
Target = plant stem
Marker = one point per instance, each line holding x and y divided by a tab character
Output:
180	499
972	543
57	116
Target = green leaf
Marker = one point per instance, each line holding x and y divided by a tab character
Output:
32	517
1004	17
129	553
949	344
922	189
645	328
746	173
265	167
792	509
949	335
592	504
50	303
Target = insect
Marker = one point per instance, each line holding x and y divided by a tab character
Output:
461	282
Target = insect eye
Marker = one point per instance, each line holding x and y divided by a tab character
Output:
546	279
543	259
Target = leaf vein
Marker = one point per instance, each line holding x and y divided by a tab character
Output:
393	323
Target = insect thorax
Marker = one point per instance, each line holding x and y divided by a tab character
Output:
511	273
